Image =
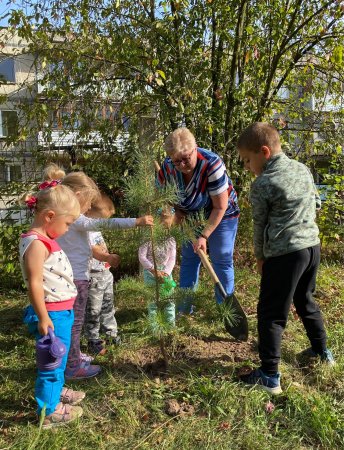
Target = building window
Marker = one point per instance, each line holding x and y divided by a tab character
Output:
10	172
8	123
64	119
7	70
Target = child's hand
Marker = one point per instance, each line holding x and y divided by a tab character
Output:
160	274
114	260
157	273
44	324
145	221
260	263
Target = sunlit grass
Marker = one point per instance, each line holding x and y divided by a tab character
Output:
126	406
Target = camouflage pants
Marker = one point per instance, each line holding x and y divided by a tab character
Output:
100	310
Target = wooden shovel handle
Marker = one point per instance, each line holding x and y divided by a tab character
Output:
206	263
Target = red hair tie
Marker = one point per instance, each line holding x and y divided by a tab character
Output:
48	184
31	202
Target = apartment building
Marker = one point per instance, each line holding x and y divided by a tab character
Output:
21	83
17	81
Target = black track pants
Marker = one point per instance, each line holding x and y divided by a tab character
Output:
287	278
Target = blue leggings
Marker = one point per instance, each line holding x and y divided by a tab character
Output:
49	383
221	247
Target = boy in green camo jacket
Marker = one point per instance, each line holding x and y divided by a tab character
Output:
287	247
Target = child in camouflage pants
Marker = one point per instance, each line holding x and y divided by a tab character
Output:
100	311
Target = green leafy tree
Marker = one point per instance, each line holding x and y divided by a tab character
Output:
214	65
111	66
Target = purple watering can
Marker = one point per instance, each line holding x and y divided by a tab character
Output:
49	351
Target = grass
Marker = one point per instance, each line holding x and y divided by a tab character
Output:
126	406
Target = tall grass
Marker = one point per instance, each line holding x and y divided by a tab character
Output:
126	406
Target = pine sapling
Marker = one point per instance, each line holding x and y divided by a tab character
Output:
144	197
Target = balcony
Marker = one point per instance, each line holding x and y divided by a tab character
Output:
60	140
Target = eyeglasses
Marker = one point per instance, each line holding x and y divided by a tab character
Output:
184	159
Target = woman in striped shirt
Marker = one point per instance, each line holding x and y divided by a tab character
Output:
203	185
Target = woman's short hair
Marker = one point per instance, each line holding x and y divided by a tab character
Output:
180	141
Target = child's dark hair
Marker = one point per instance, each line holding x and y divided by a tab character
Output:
258	134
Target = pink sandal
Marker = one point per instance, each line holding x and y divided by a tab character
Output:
71	397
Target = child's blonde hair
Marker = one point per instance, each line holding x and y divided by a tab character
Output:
180	141
104	202
59	199
53	172
78	182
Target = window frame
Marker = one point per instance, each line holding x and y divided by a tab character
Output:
4	136
6	80
6	173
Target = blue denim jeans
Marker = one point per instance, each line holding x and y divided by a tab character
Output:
221	247
49	383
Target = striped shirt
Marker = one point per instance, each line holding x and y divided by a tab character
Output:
208	180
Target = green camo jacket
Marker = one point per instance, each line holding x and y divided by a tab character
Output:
284	202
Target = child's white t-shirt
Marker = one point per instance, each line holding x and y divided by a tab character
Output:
76	243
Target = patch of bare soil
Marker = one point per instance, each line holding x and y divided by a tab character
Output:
190	351
215	348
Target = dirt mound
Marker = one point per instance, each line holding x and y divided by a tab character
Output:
188	351
215	348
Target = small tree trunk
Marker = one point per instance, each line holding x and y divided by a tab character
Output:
157	293
163	351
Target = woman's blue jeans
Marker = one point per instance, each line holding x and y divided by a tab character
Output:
49	383
221	247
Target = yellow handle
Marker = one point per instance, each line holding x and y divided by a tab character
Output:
206	263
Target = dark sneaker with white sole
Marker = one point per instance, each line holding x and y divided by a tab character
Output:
257	378
325	357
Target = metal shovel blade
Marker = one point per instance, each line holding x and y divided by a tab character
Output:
234	317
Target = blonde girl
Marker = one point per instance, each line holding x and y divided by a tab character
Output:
49	279
77	246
